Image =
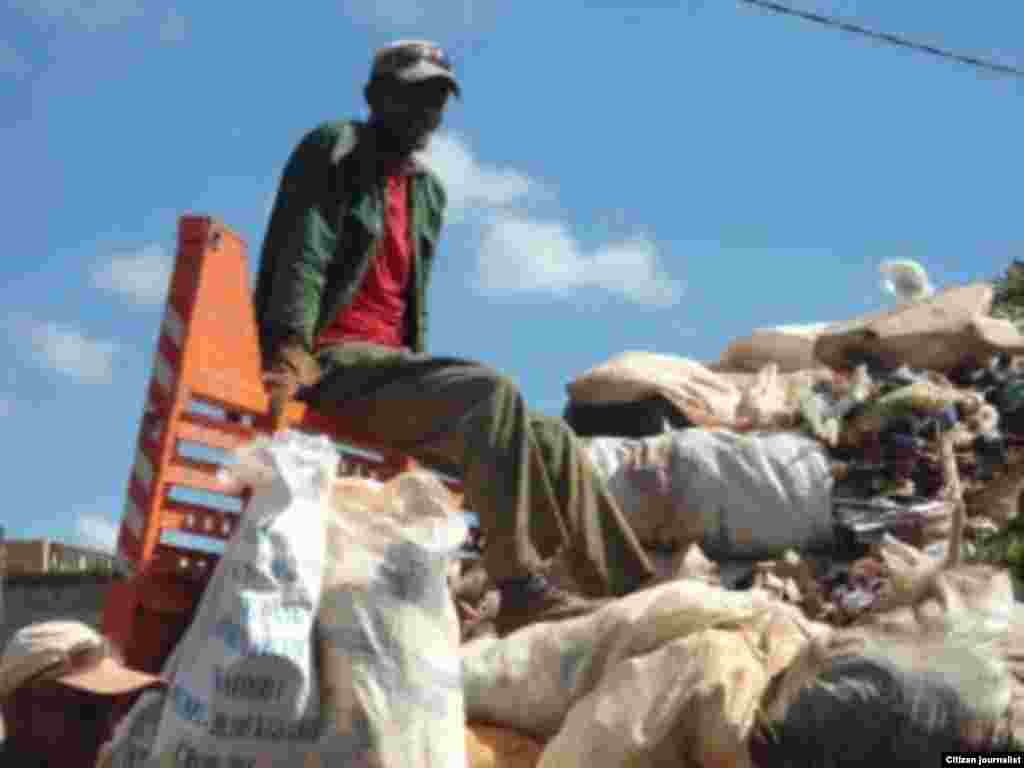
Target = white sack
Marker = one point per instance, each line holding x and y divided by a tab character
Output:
389	632
531	678
242	680
737	495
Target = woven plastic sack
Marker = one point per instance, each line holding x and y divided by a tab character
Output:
972	599
790	347
689	703
737	495
1012	652
389	633
764	403
693	389
943	332
530	679
242	680
133	737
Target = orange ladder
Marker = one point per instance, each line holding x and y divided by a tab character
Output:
205	397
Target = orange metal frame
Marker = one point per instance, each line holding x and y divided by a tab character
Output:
205	392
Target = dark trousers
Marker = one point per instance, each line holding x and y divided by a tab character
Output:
524	474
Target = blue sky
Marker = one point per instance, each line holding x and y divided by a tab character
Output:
646	175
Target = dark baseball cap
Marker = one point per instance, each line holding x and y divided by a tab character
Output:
413	61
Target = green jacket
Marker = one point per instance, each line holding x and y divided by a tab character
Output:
323	233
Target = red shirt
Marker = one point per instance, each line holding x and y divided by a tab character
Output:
377	313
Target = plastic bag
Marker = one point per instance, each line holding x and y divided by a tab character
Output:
389	634
917	521
906	280
922	397
242	680
531	678
823	413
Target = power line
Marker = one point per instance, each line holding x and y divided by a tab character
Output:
902	42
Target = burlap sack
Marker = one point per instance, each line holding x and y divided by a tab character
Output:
1011	648
690	702
1000	499
697	392
941	333
790	347
531	679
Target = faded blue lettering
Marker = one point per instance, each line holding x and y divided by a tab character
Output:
236	639
247	687
187	706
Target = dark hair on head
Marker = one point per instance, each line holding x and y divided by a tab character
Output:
877	708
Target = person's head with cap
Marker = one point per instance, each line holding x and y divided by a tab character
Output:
410	83
62	689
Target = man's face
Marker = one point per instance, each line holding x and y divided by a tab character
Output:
408	113
57	725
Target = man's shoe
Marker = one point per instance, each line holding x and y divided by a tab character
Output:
534	599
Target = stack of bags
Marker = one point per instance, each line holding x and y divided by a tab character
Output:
817	441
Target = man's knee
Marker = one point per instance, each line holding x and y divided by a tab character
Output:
493	386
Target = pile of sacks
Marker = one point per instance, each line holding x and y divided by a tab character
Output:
785	464
808	523
328	636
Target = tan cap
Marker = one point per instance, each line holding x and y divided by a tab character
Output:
70	653
413	61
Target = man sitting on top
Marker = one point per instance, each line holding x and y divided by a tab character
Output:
341	302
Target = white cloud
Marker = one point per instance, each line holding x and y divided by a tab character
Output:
389	13
96	531
472	185
435	14
12	63
89	14
523	254
69	351
141	276
174	27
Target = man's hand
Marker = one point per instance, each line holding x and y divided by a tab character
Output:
293	369
281	383
281	386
